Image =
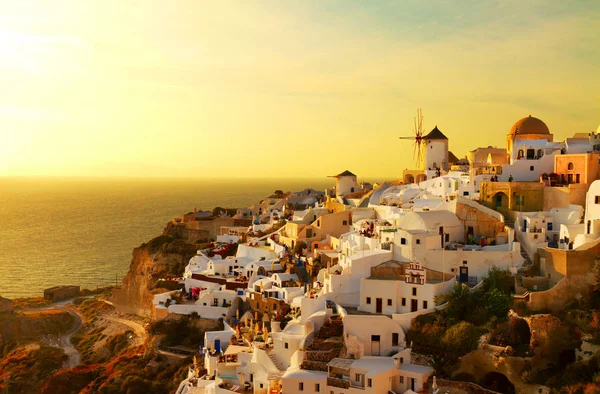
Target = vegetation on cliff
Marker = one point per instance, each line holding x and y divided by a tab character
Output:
23	369
30	326
184	330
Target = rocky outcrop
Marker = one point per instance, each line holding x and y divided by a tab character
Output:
161	257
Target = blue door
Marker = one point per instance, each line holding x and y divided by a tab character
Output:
464	275
218	345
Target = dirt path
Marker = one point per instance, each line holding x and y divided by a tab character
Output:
138	329
65	340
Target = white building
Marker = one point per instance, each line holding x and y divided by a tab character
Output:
435	150
346	183
393	293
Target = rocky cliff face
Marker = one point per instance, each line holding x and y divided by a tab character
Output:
159	258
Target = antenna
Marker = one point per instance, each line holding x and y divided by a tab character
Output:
417	137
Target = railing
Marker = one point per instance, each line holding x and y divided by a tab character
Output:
340	383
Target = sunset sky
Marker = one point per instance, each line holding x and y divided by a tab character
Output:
282	88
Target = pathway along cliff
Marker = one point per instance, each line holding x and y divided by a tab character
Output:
64	342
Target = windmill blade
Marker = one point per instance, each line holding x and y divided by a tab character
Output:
407	138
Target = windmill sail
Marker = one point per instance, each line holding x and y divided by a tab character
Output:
417	137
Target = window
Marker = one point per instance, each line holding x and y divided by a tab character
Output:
424	304
464	262
344	223
414	291
261	385
403	301
520	200
447	237
375	338
357	377
301	386
275	307
287	346
389	302
418	242
402	241
597	200
570	166
401	379
530	168
535	236
466	194
520	153
309	233
395	339
318	223
401	360
369	300
369	382
317	387
251	377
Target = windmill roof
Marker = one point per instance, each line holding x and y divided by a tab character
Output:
345	173
435	134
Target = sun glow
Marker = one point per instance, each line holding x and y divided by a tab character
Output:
119	89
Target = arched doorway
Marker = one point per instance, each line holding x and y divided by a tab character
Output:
520	332
500	201
409	178
498	382
421	178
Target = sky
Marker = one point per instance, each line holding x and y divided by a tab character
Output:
282	88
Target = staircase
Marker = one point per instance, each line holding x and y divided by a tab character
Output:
326	346
276	362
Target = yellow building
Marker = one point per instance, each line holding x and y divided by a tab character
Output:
333	224
510	197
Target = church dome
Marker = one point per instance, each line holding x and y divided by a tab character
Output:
529	125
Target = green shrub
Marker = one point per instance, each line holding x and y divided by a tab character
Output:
461	338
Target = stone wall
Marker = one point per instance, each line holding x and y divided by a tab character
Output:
564	292
483	223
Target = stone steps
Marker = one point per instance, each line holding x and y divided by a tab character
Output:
275	361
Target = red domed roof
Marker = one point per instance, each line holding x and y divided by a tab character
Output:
529	125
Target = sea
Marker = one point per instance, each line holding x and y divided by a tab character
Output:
81	231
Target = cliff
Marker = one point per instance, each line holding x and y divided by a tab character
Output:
162	257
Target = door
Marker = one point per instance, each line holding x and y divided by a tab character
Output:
464	274
375	345
379	305
412	384
414	305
